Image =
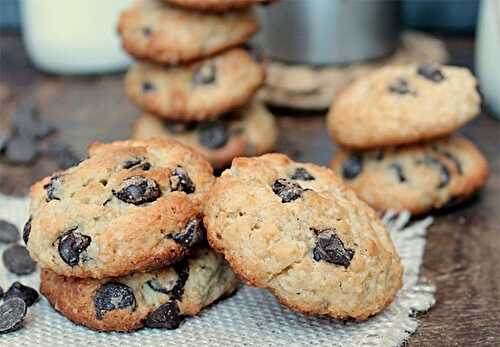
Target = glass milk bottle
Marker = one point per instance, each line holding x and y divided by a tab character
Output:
74	36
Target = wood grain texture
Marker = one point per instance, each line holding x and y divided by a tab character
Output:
463	250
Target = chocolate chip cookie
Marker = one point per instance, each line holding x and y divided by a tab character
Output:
248	131
217	5
131	206
205	89
298	231
154	30
159	299
418	177
403	104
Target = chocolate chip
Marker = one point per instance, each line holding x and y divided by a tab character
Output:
455	160
53	188
176	291
113	296
213	134
146	31
444	173
330	248
138	190
147	87
193	233
25	122
181	182
135	163
25	293
399	172
431	72
12	313
71	245
155	285
17	260
27	230
8	232
21	150
166	316
302	174
352	167
401	86
286	190
205	74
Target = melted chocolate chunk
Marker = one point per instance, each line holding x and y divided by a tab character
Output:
71	245
431	72
399	172
181	182
12	313
8	232
302	174
53	188
27	230
213	134
177	290
138	190
193	233
25	293
166	316
444	173
147	87
137	163
330	248
353	166
113	296
286	190
205	74
17	260
400	86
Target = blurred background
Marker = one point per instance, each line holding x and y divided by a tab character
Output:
65	58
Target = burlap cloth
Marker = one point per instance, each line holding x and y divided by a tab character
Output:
314	88
250	318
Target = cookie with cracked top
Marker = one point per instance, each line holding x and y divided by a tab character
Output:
157	31
217	5
121	210
194	92
248	131
297	230
157	299
418	178
403	104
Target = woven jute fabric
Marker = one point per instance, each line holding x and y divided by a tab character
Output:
250	318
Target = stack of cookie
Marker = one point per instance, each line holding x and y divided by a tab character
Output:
396	125
120	237
194	80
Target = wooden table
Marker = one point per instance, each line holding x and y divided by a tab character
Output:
463	249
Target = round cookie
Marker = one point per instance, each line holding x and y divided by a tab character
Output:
298	231
205	89
403	104
417	178
156	31
159	299
131	206
217	5
245	132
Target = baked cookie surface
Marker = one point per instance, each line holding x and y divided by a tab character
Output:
159	299
131	206
248	131
403	104
205	89
154	30
217	5
298	231
417	178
